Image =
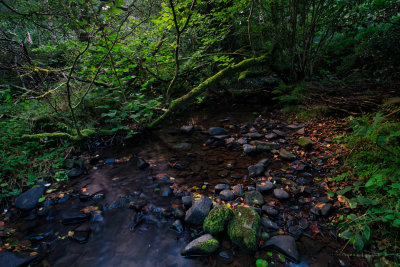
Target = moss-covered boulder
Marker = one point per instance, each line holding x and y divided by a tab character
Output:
217	220
243	228
204	245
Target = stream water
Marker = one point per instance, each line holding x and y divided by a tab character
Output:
131	220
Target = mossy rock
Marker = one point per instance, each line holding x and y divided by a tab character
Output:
243	228
305	142
204	245
217	220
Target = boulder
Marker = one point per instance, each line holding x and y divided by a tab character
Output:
226	195
29	199
202	246
284	244
199	211
217	220
243	228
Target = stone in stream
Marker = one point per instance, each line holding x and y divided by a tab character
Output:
177	226
74	216
187	201
219	187
11	259
243	228
286	155
255	170
75	172
29	199
217	219
284	244
254	198
264	186
248	148
202	246
199	211
226	195
187	129
238	190
269	210
217	131
281	194
268	224
305	142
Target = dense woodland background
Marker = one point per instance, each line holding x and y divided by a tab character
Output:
77	70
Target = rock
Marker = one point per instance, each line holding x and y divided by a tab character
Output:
217	131
187	201
316	211
264	162
29	199
279	133
204	245
305	142
10	259
165	191
75	172
324	200
303	181
220	137
179	214
254	135
271	136
269	210
268	224
248	148
242	141
142	164
188	129
264	146
254	198
255	170
295	126
219	187
238	190
217	219
74	216
177	226
284	244
182	146
281	194
326	209
301	131
199	211
243	228
295	231
226	195
81	237
264	186
286	155
303	223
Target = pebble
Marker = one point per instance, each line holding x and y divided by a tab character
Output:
281	194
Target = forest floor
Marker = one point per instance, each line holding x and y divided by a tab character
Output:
125	205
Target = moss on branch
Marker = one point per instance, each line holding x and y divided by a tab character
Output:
86	133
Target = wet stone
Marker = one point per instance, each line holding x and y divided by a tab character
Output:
248	148
254	135
142	164
264	162
199	211
219	187
271	136
226	195
165	191
295	231
204	245
268	224
255	170
80	236
179	214
262	146
269	210
74	216
284	244
286	155
177	226
217	131
187	129
238	190
281	194
264	186
303	181
254	198
324	200
279	133
29	199
242	141
187	201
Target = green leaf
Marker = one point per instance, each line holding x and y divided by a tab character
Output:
346	234
41	199
366	232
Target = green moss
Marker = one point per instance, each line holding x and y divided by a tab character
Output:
243	228
209	246
305	142
85	133
217	219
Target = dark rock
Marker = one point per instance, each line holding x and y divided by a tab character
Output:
295	126
165	191
281	194
280	133
303	181
219	187
269	210
286	155
10	259
248	148
226	195
255	170
177	226
264	146
264	186
254	135
315	211
268	224
271	136
285	244
295	231
305	142
264	162
74	216
187	201
75	172
199	211
238	190
303	223
80	236
182	146
324	200
326	209
217	131
242	141
187	129
29	199
137	204
97	223
179	214
220	137
254	198
204	245
142	164
224	254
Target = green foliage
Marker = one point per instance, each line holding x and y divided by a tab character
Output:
374	167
